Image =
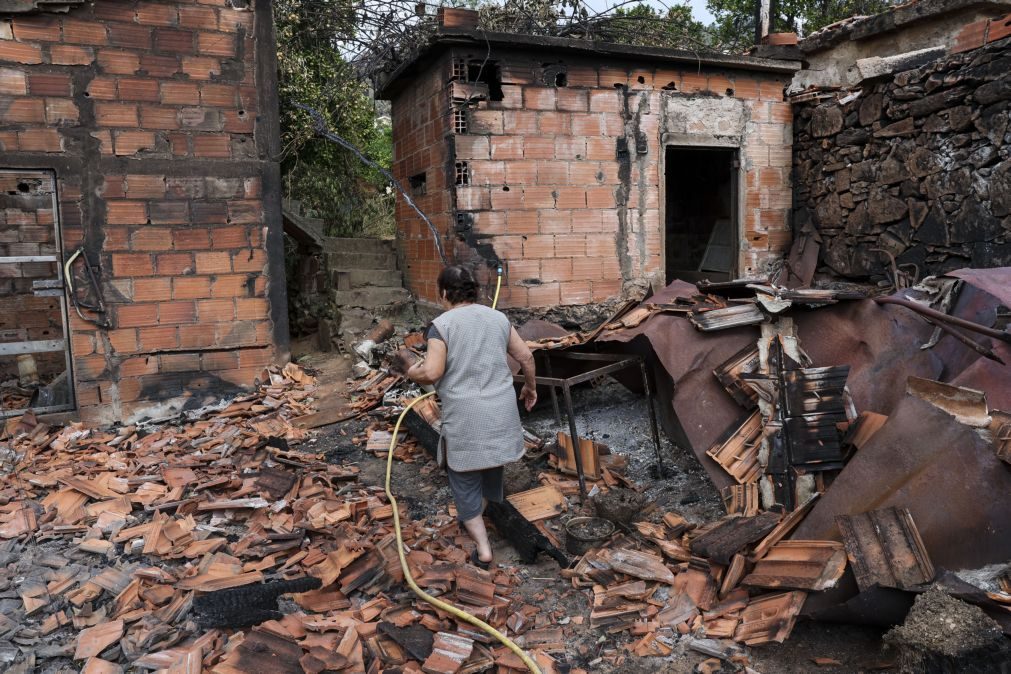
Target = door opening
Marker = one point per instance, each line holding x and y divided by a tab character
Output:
701	237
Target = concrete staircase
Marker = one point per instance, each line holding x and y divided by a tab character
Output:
365	282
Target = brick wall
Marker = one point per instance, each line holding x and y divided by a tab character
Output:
162	144
421	124
551	193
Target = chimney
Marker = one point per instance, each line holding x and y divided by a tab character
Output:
454	17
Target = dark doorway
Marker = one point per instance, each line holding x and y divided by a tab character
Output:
700	214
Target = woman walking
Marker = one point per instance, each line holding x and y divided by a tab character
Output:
481	431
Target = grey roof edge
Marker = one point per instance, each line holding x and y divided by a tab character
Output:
896	18
446	38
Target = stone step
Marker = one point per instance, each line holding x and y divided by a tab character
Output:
351	245
370	298
362	278
350	260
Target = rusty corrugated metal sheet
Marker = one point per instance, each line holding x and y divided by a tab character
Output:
881	344
694	408
944	473
996	281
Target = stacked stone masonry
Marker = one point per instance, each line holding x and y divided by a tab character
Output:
915	167
161	131
559	175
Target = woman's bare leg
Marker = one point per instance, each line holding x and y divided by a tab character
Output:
475	527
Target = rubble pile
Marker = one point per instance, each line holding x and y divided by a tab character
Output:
215	540
831	432
908	174
143	547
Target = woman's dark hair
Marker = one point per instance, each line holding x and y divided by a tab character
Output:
459	284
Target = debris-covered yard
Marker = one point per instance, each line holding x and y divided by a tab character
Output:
807	494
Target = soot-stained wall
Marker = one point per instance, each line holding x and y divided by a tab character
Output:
552	164
159	121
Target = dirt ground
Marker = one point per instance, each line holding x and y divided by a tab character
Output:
618	418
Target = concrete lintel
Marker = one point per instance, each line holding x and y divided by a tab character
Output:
700	140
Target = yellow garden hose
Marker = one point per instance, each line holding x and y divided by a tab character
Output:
438	603
498	286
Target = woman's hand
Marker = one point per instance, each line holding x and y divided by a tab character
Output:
415	371
528	394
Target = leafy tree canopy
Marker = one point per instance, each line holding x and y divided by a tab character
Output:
313	70
734	28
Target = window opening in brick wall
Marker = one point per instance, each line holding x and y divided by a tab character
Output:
554	75
489	73
460	121
459	69
462	173
35	358
700	206
418	184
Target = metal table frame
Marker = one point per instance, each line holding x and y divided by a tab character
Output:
615	362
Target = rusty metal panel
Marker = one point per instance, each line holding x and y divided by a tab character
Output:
885	549
880	344
799	565
944	473
996	282
992	378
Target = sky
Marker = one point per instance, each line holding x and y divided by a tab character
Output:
698	7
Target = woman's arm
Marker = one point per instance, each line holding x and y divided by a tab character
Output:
431	369
519	350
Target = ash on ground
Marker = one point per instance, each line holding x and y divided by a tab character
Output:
942	624
613	415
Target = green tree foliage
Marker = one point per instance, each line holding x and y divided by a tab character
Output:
734	28
351	198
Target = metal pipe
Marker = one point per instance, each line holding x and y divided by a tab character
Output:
945	318
554	394
567	395
652	417
975	346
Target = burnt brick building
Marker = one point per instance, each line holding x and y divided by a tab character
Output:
589	170
141	258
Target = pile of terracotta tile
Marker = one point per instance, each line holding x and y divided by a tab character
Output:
663	580
155	548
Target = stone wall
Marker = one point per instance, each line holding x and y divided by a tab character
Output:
916	165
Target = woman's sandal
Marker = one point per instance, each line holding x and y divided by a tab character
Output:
476	561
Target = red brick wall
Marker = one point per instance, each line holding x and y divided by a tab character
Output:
150	115
547	191
421	124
